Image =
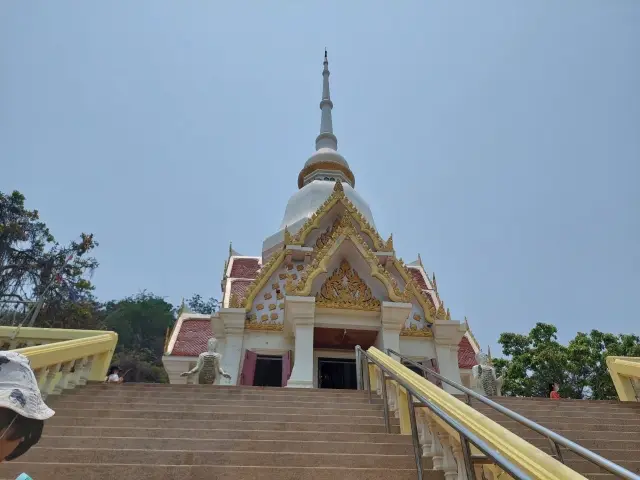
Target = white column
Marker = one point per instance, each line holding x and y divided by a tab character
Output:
231	339
448	334
299	320
393	317
174	366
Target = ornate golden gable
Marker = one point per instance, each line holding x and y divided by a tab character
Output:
345	289
342	230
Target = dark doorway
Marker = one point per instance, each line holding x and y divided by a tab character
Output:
337	373
415	369
268	371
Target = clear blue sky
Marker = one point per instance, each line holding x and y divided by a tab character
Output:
500	140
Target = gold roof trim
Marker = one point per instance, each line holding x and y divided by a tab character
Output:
336	196
342	230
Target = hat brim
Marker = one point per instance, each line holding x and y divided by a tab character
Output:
28	404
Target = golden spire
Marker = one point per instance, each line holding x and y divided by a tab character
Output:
441	313
389	244
288	239
338	186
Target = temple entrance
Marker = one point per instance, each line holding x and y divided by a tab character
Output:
337	373
268	371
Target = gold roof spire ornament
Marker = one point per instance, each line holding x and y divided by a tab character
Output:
183	307
288	238
433	281
448	314
388	245
441	313
338	186
420	261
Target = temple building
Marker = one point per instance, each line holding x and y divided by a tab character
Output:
325	282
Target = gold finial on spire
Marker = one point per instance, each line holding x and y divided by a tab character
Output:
182	308
420	261
433	281
448	314
338	186
441	313
230	249
288	239
466	322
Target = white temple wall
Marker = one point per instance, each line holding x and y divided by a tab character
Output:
417	348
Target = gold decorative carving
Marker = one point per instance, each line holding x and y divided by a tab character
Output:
282	276
325	166
235	302
416	331
259	307
300	267
275	286
417	317
345	289
272	306
293	276
264	317
274	316
252	317
261	279
281	306
268	296
279	295
290	266
441	313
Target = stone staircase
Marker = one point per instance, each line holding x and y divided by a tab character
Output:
608	428
195	432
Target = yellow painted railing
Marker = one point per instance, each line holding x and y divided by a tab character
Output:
625	373
441	442
60	358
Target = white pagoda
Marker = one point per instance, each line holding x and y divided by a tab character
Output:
325	282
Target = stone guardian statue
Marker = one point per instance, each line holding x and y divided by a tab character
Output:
208	365
485	375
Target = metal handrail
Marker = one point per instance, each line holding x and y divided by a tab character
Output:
555	439
466	435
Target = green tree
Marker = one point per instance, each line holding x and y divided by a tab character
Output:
198	305
33	265
141	322
538	359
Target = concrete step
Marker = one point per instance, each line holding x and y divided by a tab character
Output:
599	445
621	413
248	445
226	389
301	426
587	468
224	434
204	472
231	408
203	457
337	417
581	424
225	400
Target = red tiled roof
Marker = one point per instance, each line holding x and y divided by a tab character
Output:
466	354
244	268
239	287
417	276
192	337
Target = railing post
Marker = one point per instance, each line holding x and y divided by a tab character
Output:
387	421
359	369
466	455
417	451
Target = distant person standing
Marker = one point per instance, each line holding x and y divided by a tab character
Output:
554	388
114	375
